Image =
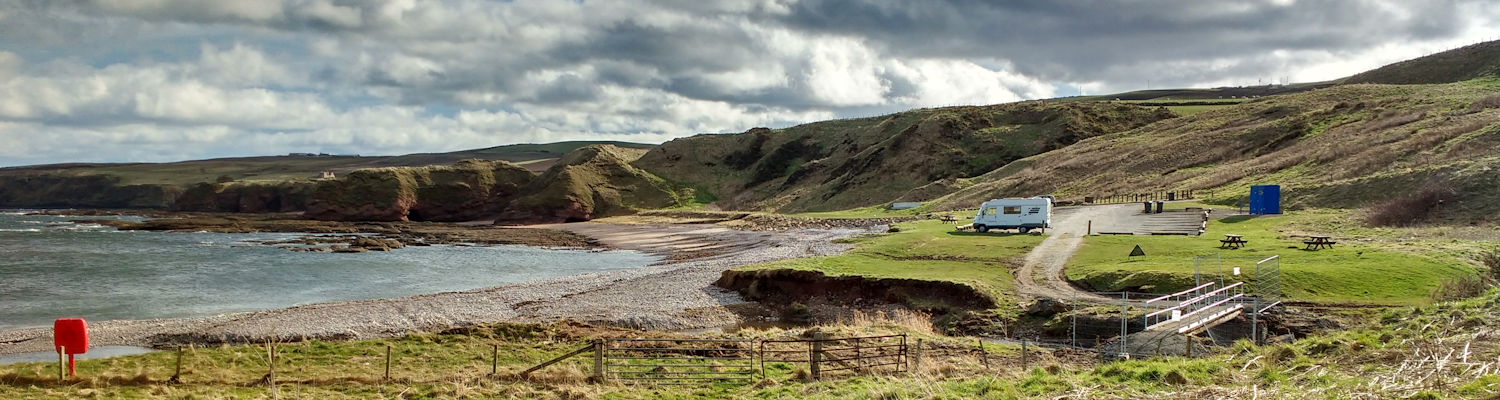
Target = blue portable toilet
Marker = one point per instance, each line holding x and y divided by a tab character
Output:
1265	199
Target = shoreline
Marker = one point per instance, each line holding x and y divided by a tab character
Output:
675	294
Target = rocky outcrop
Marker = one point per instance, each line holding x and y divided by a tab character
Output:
591	182
461	192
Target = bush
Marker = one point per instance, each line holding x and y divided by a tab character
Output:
1491	262
1492	101
1458	288
797	313
1412	208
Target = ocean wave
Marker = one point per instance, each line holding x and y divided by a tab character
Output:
21	230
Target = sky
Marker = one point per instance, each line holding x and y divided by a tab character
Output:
169	80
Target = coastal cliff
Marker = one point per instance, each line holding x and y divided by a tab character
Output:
592	182
461	192
48	190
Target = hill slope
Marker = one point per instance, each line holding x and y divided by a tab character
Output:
849	163
1345	146
1457	65
273	183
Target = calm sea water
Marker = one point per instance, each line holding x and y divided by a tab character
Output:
51	268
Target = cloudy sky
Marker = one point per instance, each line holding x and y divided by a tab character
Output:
165	80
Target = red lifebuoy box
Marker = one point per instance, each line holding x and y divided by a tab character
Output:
70	336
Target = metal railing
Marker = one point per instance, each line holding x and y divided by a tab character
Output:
1205	306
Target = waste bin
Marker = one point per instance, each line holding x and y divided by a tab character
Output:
1148	206
1171	196
1159	203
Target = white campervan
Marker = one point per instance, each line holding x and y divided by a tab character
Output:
1022	215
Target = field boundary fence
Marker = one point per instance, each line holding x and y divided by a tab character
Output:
1165	195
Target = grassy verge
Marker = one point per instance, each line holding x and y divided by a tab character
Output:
1366	266
928	250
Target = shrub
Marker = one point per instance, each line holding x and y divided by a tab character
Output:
1412	208
1458	288
1492	101
1491	262
797	313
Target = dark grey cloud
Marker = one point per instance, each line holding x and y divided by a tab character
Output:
235	77
1106	40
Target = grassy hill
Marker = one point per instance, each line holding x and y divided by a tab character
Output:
1343	146
848	163
1457	65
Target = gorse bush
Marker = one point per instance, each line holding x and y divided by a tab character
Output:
1412	208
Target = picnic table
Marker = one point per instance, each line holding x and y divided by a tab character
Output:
1232	241
1315	242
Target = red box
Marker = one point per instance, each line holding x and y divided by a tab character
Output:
72	334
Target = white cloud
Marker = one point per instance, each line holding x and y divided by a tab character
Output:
843	72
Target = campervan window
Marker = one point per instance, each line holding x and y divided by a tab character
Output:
1012	209
989	211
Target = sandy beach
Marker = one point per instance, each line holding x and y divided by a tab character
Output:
677	294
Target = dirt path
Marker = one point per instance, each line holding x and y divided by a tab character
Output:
1042	274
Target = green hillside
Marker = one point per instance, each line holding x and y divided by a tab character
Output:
1344	146
849	163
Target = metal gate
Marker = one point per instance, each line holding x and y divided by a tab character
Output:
678	361
854	355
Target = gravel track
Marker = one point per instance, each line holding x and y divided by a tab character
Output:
675	295
1042	274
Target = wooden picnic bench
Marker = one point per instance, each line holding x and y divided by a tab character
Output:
1232	241
1315	242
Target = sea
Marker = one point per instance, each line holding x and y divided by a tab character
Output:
51	267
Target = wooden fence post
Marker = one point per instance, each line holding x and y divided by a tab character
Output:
1025	362
60	366
815	359
177	377
494	360
983	356
271	367
599	360
387	362
1189	342
916	356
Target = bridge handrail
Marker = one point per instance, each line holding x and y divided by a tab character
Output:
1198	323
1185	303
1215	304
1181	293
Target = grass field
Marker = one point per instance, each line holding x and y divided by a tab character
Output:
929	250
1365	267
1382	357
